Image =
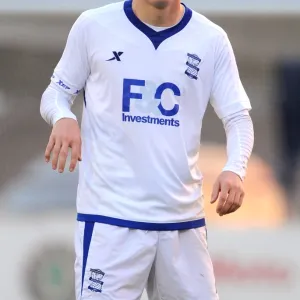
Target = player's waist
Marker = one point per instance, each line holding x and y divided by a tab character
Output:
185	225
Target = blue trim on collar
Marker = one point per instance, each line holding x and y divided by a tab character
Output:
156	37
141	225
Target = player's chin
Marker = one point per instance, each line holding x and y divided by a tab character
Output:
160	4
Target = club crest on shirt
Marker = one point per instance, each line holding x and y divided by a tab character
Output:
95	279
193	62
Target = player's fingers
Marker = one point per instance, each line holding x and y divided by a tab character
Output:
49	148
237	202
235	205
63	154
55	153
222	198
76	155
215	192
79	155
228	204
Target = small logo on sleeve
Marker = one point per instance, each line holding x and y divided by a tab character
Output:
63	85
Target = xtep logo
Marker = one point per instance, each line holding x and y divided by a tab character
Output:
160	110
117	56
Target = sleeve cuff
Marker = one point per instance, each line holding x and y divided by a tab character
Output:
65	115
241	172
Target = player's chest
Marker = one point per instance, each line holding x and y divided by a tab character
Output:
188	63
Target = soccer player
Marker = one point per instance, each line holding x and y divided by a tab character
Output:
148	69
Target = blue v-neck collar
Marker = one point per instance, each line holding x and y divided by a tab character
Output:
156	37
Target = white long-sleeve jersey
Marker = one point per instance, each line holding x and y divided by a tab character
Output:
146	93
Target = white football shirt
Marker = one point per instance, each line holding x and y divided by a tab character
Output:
146	93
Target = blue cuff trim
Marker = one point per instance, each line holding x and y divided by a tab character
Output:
141	225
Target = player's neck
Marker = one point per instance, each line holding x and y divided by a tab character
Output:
166	17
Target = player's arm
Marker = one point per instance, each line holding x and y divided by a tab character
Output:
232	106
68	79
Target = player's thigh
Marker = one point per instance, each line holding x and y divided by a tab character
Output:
112	262
183	268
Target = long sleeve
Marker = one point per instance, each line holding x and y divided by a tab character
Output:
232	105
240	140
70	75
56	104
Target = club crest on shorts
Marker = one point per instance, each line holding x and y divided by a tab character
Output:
96	280
192	63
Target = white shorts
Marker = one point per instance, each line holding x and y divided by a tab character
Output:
117	263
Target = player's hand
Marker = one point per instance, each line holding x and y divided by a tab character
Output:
228	189
65	134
